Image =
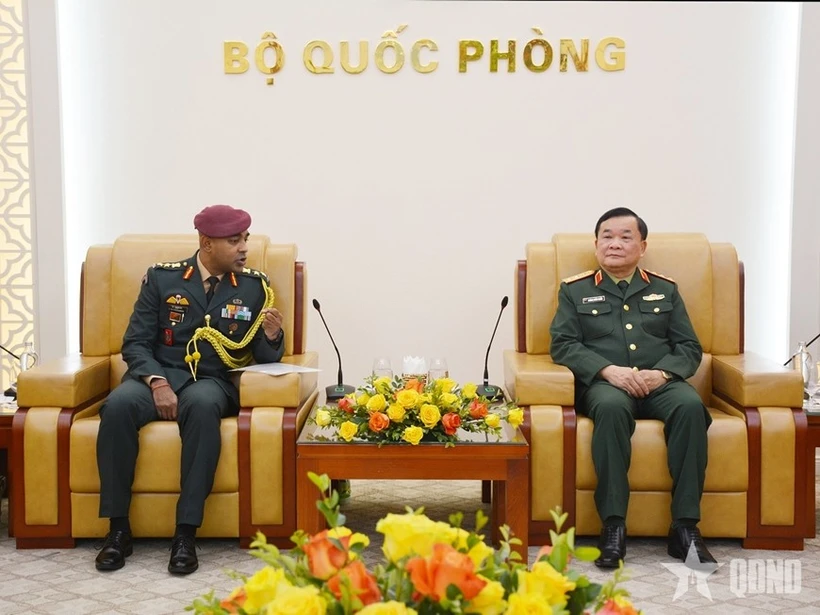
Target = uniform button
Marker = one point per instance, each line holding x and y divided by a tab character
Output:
629	326
633	347
634	369
656	310
626	308
595	312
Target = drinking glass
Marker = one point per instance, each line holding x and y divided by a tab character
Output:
437	369
813	388
382	367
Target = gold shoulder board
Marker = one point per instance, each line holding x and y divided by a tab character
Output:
661	276
580	276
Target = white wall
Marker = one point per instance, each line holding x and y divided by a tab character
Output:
411	196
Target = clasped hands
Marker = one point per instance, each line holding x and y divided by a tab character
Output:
272	323
637	383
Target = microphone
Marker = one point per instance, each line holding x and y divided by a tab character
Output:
336	391
814	339
491	392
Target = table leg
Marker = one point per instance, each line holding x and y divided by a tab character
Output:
811	530
308	517
516	503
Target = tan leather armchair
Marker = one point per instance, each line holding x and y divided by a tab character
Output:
755	485
55	479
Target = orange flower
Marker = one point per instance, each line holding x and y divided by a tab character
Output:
478	410
235	601
378	422
413	383
618	606
451	421
362	583
432	576
324	558
346	404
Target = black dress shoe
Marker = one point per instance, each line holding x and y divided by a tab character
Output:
115	549
686	543
612	545
183	555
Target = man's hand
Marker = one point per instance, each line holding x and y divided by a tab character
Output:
626	379
165	399
653	378
272	323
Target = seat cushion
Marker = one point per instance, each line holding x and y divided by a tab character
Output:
727	469
158	462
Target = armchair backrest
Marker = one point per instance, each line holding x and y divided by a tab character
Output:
112	275
709	277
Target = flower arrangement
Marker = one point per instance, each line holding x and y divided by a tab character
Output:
394	410
429	567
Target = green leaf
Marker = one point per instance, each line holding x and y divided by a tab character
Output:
322	482
587	554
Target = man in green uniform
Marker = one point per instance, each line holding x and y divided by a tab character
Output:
625	334
177	375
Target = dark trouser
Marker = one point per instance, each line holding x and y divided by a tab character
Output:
200	408
685	419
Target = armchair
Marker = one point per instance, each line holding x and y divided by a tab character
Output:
55	479
756	481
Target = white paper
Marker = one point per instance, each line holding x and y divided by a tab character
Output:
277	369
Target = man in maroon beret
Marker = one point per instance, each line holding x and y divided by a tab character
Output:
170	379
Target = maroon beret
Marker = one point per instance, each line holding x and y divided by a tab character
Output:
222	221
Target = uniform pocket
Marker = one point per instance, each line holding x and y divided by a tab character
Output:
596	319
233	328
655	317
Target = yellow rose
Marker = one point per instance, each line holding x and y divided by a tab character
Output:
362	399
492	420
468	390
382	385
515	417
545	581
322	418
430	415
376	403
396	413
348	430
529	604
445	385
489	601
411	534
298	601
448	400
425	399
412	435
262	588
407	398
387	608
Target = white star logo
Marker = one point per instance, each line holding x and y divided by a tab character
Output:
692	572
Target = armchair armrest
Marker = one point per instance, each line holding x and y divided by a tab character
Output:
64	383
751	380
288	391
533	379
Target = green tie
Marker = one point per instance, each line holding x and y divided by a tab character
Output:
623	285
213	281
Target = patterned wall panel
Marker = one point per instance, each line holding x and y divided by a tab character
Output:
16	266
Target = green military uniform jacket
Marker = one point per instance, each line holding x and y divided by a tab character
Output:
595	325
172	305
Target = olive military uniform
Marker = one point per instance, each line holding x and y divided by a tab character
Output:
645	326
171	305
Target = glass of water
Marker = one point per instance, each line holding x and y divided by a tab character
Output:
437	369
382	368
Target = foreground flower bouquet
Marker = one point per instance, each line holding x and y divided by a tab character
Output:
385	410
429	567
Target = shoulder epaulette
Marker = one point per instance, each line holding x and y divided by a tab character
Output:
176	265
661	276
580	276
255	273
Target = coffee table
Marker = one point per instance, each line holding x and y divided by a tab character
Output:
503	460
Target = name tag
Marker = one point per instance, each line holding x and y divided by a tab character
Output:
596	299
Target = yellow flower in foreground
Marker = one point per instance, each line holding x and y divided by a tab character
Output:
355	537
449	400
445	385
515	417
382	385
545	581
430	415
298	601
529	604
407	398
347	430
362	399
492	420
387	608
262	588
411	534
412	435
469	390
489	601
396	413
322	418
376	403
